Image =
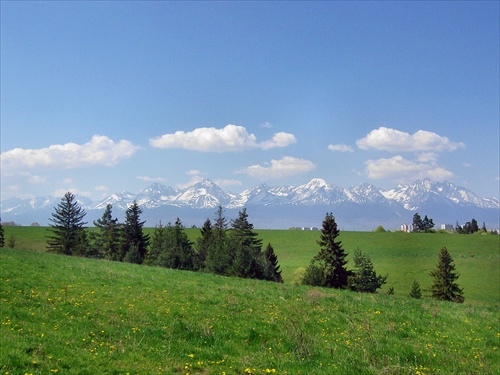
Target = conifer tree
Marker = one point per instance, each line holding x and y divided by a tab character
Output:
444	286
364	278
331	259
134	238
219	259
415	292
246	248
2	235
67	229
181	253
204	243
159	245
108	238
272	270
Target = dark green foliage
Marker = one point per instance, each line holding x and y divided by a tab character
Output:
133	234
331	258
390	291
364	278
159	244
416	292
2	235
67	233
108	239
314	275
469	227
272	270
420	225
246	248
204	243
133	255
218	258
444	276
380	229
181	255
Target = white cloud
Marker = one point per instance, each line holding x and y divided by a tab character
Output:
101	188
280	139
392	140
266	125
37	180
340	148
427	157
74	191
100	150
151	179
467	165
287	166
403	170
229	138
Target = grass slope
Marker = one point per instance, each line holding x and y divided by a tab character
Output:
80	316
404	256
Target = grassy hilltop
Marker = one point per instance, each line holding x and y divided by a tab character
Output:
70	315
404	256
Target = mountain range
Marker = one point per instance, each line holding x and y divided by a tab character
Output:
361	207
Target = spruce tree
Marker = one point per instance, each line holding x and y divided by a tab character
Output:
272	270
67	229
2	235
417	222
415	292
204	243
219	259
332	257
181	253
158	246
364	278
444	276
107	239
246	247
134	237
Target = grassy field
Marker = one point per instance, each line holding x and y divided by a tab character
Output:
70	315
404	256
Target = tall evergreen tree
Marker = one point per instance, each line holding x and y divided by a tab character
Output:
181	253
2	235
108	238
219	259
272	270
246	248
159	245
204	243
327	268
444	286
67	229
134	238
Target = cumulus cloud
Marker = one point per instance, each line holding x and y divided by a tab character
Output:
392	140
340	148
60	192
403	170
100	150
287	166
229	138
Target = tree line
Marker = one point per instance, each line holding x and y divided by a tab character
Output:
230	249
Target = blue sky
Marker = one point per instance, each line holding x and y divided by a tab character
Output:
102	97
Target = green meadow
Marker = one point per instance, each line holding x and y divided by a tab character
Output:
68	315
